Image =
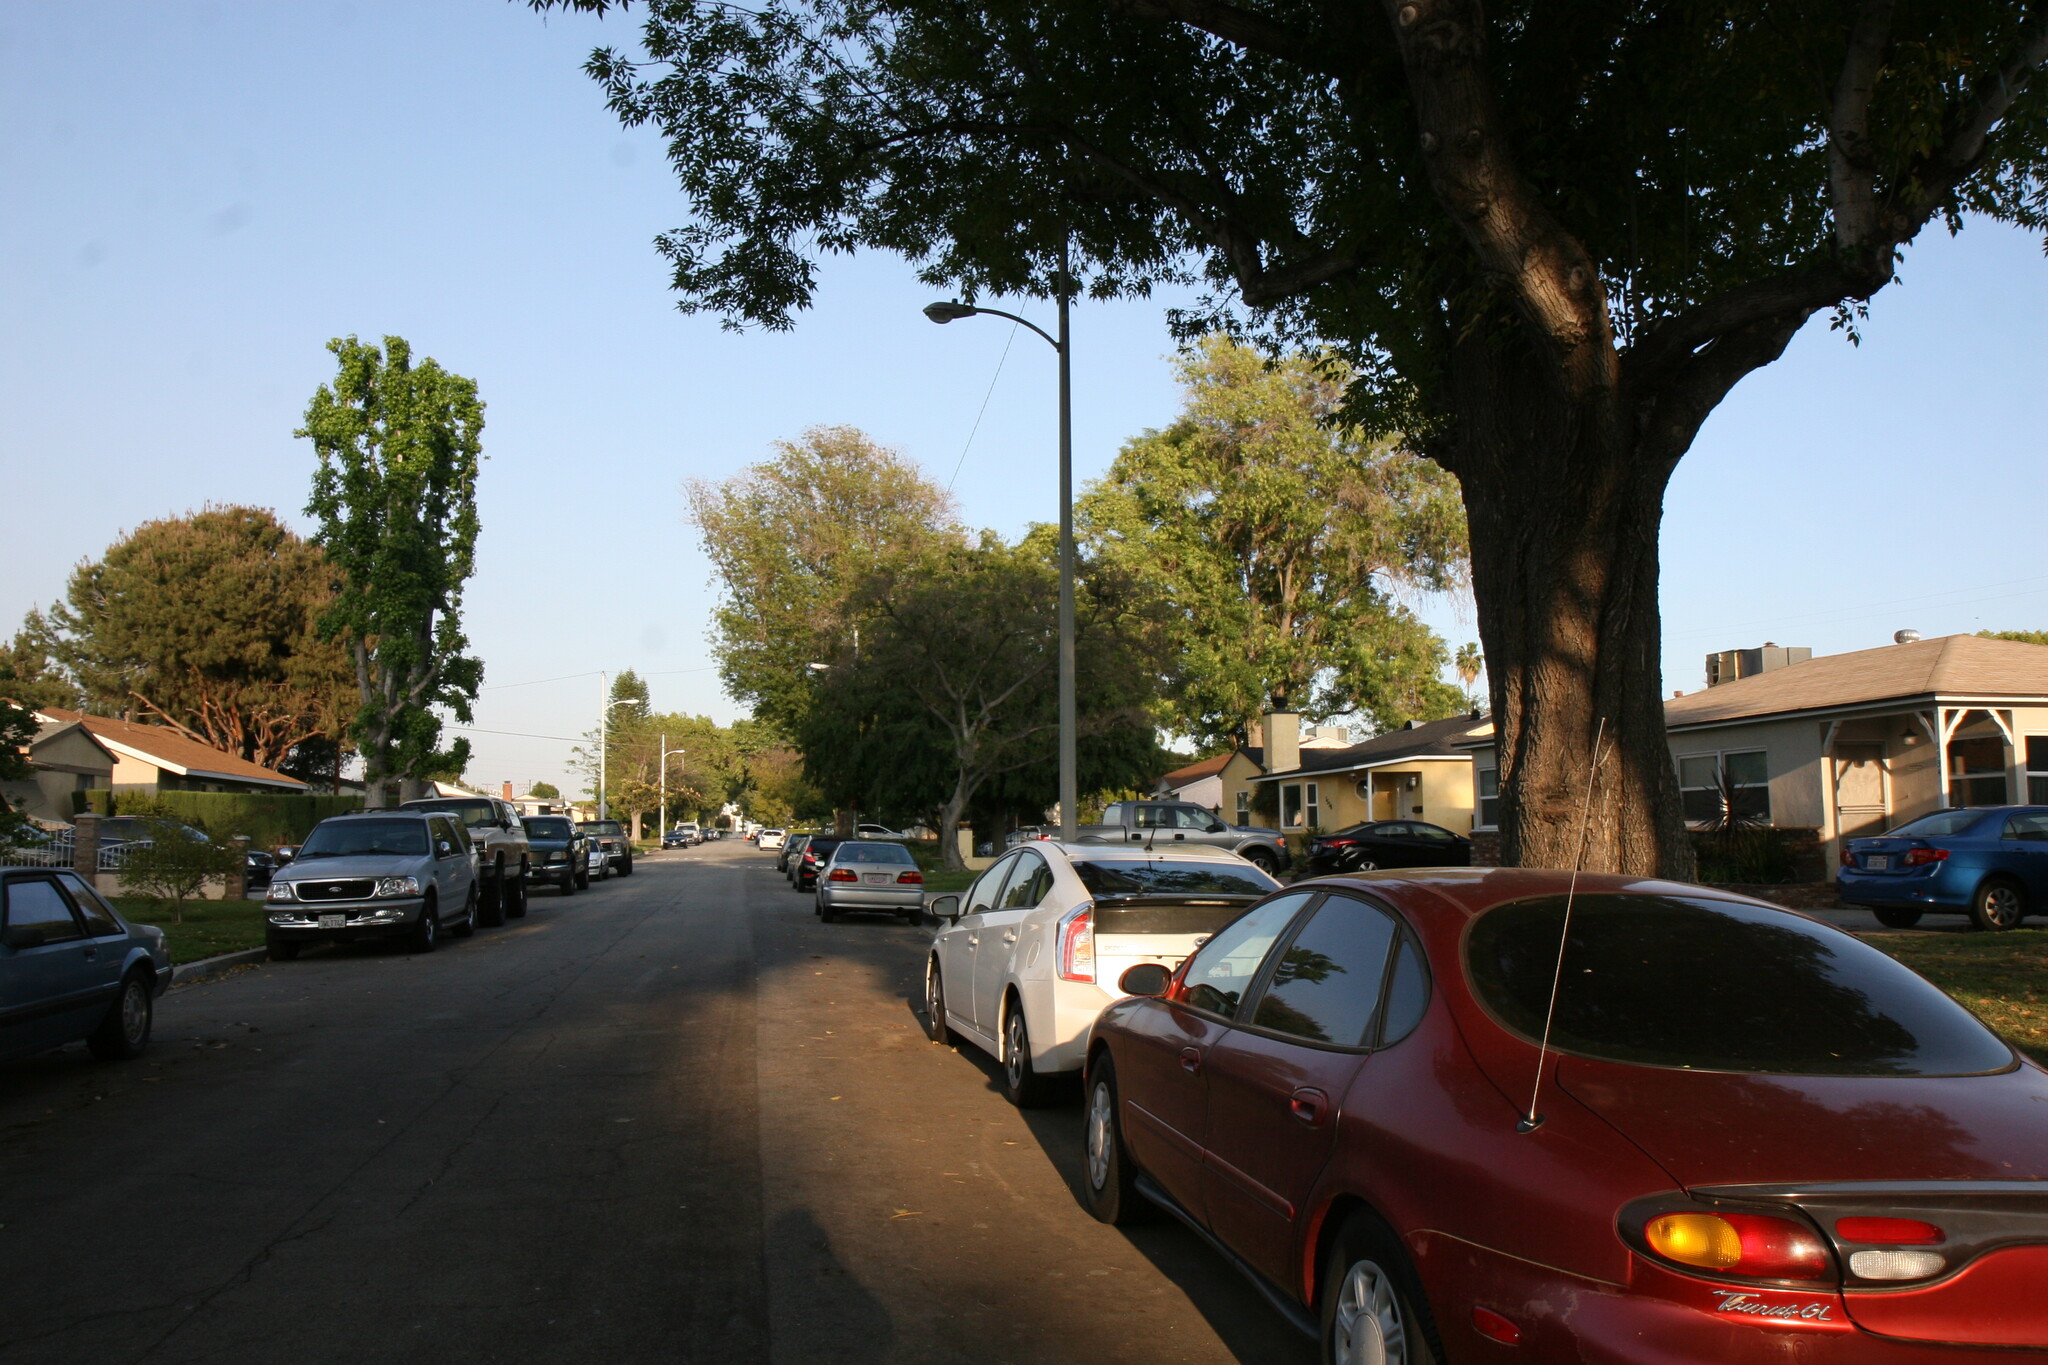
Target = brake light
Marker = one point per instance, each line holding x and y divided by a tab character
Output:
1848	859
1338	843
1898	1232
912	878
1750	1244
841	874
1076	944
1920	857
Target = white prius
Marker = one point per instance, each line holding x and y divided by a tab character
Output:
1023	963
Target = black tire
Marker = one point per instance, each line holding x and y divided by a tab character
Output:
1895	917
1263	859
426	934
1999	905
515	905
1109	1176
1021	1082
491	899
124	1033
281	949
913	918
567	886
935	1026
583	874
1368	1275
827	911
627	869
468	925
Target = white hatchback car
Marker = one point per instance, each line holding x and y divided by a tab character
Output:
1021	966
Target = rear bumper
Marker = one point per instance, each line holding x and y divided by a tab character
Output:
1940	890
891	899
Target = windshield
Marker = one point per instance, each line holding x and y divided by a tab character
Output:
354	836
547	827
475	811
1936	825
1168	877
601	827
873	853
1716	986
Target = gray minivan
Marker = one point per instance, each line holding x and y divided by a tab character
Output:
374	874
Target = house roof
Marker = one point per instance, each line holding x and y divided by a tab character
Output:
1195	772
1960	666
42	750
1418	741
171	751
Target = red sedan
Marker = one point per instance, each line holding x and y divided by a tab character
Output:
1750	1137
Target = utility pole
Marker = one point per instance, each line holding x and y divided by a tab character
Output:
604	720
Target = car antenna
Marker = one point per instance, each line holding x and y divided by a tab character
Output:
1532	1120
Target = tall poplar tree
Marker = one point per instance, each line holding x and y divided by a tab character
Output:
399	446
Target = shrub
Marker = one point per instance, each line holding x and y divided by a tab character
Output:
268	819
176	862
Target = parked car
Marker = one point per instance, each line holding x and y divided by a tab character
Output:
561	852
1987	862
691	833
873	877
1712	1130
1028	834
770	838
257	867
675	838
403	873
598	863
611	836
792	851
504	858
804	866
1387	843
72	968
876	832
116	830
1023	965
1156	823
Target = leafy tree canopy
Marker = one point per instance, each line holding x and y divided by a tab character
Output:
546	791
789	538
207	623
29	677
1278	539
2025	637
399	447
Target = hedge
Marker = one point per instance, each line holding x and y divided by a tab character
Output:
269	819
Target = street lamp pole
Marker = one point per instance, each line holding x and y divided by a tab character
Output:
604	719
661	822
1069	711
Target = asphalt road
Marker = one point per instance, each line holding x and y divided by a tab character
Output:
675	1118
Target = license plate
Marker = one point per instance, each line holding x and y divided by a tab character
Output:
1877	862
333	921
875	878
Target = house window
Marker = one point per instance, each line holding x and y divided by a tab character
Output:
1290	805
1314	807
1244	807
1748	780
2037	770
1976	772
1489	798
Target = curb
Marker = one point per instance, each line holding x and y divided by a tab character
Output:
186	972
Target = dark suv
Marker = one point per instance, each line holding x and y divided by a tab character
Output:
561	852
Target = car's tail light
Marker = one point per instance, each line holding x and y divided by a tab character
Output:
1896	1265
1076	944
841	874
911	878
1920	857
1337	843
1755	1245
1892	1232
1848	859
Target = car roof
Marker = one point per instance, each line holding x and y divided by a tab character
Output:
1136	852
400	812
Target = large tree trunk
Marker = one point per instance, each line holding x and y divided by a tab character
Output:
1564	504
949	829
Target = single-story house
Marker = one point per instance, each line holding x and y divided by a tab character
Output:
154	758
1219	783
1852	744
1200	783
1415	772
63	758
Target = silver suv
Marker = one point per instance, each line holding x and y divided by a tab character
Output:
374	874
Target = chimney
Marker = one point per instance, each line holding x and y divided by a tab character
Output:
505	790
1731	664
1283	741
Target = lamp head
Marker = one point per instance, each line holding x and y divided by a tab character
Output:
943	313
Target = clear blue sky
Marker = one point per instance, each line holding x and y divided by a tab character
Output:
201	193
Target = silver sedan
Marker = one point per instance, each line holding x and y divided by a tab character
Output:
871	876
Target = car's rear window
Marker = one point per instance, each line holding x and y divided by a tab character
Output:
1203	918
354	837
1938	824
873	853
547	827
1717	986
1170	877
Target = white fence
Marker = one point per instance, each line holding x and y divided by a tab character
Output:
42	850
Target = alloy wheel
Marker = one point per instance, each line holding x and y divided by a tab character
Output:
2002	906
134	1013
1101	1133
1014	1048
1369	1326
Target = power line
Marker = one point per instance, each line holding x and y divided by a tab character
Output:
498	687
520	734
959	464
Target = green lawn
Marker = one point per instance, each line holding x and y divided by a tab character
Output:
209	927
2002	977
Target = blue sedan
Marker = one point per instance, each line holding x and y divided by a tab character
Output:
1987	862
71	967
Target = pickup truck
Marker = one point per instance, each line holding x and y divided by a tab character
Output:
1163	823
504	858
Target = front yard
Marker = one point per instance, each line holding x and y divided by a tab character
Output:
209	927
2002	977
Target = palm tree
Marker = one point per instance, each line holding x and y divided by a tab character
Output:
1469	662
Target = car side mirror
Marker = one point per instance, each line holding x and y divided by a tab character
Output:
1218	827
945	907
444	849
285	855
1146	978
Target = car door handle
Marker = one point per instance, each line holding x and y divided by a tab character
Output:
1010	937
973	940
92	954
1180	836
1191	1060
1309	1106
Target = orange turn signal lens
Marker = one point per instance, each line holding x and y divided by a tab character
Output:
1700	1239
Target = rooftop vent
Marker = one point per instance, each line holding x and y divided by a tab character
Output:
1731	664
1905	637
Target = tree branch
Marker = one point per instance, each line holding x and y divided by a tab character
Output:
1852	160
1242	28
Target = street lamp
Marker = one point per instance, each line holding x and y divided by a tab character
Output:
661	823
604	719
945	312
